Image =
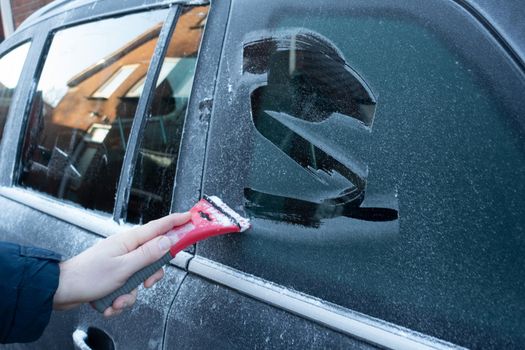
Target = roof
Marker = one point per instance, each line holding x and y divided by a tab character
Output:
59	7
502	18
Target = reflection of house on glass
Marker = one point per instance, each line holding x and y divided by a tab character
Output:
107	93
87	124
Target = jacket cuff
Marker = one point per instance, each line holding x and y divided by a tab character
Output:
33	302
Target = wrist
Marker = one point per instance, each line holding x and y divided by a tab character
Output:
63	299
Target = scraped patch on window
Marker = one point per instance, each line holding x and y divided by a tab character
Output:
304	65
311	103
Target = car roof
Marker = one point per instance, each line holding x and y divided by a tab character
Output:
59	7
502	18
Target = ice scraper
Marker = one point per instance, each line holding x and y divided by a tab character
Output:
209	217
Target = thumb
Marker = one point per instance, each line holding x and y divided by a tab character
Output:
142	234
146	254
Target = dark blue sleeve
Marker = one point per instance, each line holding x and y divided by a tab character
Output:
28	281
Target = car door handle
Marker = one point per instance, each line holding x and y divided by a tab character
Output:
93	339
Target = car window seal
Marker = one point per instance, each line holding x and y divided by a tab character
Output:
139	121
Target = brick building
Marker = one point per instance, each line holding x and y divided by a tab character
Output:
14	12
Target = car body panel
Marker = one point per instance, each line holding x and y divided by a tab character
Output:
211	316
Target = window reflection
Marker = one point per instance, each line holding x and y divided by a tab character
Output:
115	81
10	69
80	115
154	176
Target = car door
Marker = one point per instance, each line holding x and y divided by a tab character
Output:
378	150
105	89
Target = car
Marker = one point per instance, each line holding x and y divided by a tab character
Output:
377	147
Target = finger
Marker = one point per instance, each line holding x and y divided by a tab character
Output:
125	300
157	276
141	234
145	255
110	312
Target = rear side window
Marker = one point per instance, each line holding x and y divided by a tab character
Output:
11	65
82	110
153	180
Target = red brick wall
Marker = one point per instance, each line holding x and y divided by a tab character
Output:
23	8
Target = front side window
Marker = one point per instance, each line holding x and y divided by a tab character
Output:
153	180
81	115
10	69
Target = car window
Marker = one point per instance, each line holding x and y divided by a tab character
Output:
11	64
379	152
154	175
80	116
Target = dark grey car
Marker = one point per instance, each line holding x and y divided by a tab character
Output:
378	148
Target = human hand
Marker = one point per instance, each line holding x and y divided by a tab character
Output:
107	265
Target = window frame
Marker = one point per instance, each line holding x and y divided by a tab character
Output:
12	124
139	121
14	97
41	35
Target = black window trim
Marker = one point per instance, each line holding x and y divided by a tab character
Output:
78	16
18	43
11	135
192	152
140	118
